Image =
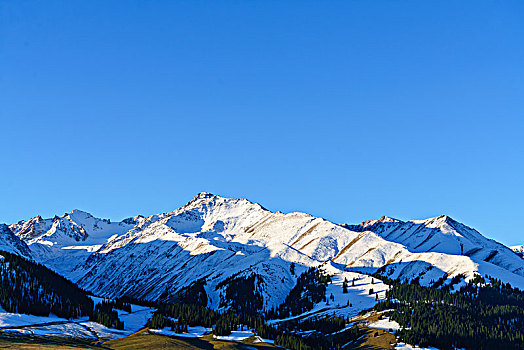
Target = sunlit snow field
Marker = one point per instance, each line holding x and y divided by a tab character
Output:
348	304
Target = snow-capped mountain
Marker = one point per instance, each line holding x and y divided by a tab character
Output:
204	246
444	235
74	228
63	241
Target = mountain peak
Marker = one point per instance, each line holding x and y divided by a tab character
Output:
382	219
387	219
205	195
442	220
445	218
435	221
201	197
79	212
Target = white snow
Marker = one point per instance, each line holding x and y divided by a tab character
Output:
235	336
134	320
83	330
403	346
8	319
385	324
196	332
358	296
87	248
192	332
79	328
263	340
137	318
55	326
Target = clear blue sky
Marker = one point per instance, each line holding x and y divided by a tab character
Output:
347	110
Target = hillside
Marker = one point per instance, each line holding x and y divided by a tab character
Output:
11	243
29	288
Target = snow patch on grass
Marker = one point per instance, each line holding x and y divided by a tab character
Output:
235	336
385	324
192	332
78	328
403	346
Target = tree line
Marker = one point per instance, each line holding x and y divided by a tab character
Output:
309	290
484	314
30	288
245	311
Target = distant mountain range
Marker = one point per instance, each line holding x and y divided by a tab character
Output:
212	241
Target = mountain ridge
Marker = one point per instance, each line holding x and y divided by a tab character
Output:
212	238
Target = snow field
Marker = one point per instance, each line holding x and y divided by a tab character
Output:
192	332
345	304
79	328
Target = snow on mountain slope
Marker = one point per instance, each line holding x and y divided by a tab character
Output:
348	304
173	250
203	246
62	242
70	229
444	235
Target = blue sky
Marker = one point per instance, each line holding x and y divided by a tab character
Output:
347	110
